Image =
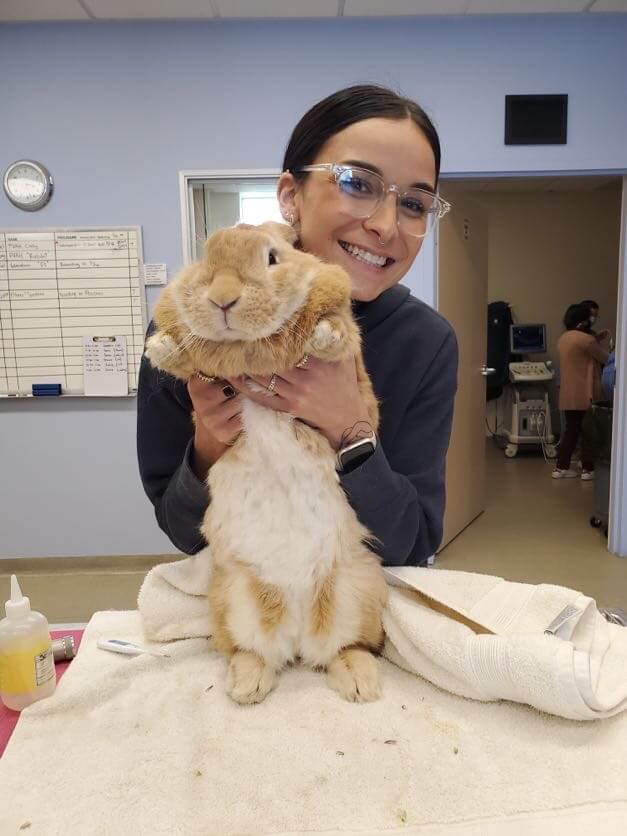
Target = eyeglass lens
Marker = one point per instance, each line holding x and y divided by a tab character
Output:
362	192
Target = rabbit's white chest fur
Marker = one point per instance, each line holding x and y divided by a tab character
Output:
278	503
280	509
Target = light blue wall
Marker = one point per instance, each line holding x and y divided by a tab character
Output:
116	110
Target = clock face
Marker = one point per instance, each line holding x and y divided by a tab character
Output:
27	185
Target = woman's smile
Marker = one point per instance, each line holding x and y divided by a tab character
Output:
370	259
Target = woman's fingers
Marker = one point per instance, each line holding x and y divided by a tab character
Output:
261	385
202	391
273	384
299	373
217	407
274	399
223	421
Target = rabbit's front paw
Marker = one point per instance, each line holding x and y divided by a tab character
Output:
165	353
327	341
161	348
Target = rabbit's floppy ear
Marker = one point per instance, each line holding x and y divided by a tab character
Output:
282	231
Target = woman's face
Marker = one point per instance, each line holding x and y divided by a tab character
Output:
402	155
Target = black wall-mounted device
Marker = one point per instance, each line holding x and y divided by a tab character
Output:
536	120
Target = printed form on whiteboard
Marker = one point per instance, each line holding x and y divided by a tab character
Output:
105	366
155	274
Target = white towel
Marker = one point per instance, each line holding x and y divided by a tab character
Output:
147	746
477	636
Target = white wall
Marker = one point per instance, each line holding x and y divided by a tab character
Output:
117	110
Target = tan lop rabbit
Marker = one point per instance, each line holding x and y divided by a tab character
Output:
292	577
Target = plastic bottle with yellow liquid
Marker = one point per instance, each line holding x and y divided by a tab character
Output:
26	662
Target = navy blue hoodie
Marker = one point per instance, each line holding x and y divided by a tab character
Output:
410	352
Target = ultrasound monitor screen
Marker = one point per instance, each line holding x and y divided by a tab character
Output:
527	339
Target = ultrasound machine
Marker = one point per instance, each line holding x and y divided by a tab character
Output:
527	396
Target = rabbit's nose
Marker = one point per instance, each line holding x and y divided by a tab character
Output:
225	306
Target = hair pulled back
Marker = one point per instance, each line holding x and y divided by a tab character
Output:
575	315
346	107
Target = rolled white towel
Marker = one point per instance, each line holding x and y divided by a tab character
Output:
172	600
545	645
477	636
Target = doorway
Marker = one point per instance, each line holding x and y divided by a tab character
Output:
551	241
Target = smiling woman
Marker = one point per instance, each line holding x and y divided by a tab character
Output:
359	187
354	231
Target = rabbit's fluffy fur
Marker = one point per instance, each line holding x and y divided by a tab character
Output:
292	576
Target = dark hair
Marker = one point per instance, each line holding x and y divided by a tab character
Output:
590	303
353	104
575	315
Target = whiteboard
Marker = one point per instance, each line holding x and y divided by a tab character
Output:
58	286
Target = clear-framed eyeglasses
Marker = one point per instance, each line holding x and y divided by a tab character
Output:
362	192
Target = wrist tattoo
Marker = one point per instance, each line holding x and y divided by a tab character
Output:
362	429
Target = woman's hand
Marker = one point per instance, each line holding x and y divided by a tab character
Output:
324	395
217	408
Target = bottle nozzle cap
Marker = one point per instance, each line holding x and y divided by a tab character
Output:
19	605
16	592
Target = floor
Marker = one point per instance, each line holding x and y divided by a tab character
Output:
534	529
537	529
68	591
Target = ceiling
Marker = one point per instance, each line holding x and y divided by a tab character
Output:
13	11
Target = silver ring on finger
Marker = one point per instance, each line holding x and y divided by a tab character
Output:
303	363
204	377
272	385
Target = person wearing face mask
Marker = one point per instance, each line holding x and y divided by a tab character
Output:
359	186
593	317
593	310
580	384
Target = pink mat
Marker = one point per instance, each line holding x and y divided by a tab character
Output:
9	718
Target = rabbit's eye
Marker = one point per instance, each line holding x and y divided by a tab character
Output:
272	258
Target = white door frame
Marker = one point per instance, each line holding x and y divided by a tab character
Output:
617	529
617	533
188	229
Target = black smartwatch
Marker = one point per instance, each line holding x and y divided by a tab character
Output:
353	455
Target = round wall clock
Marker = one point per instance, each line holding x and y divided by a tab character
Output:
28	185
